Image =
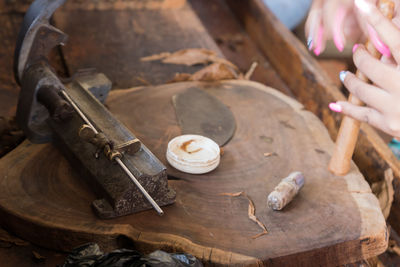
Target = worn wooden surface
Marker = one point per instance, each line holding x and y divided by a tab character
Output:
313	88
334	219
114	41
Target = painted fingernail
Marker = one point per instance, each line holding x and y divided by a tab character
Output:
338	38
355	48
363	6
318	47
342	75
379	45
335	107
309	43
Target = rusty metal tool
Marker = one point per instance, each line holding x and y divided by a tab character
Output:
349	128
122	171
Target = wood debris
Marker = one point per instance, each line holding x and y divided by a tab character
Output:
156	56
232	194
251	212
218	69
37	256
250	72
269	154
189	57
8	238
211	73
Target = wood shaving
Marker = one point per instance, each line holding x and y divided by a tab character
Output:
231	194
189	57
219	68
156	56
214	72
250	72
251	212
37	256
269	154
6	237
211	73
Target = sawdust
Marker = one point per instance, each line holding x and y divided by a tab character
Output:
250	212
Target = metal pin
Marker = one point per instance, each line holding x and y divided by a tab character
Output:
133	178
117	159
80	113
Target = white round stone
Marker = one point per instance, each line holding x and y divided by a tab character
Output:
193	154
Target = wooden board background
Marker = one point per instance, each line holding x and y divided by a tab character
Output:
214	14
335	220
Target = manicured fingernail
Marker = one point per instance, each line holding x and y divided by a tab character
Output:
379	45
309	43
355	48
335	107
342	75
363	6
318	47
337	29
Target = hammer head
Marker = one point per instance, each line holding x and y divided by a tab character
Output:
31	69
36	37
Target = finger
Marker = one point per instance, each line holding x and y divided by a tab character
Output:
371	95
320	41
363	114
385	29
337	28
381	74
313	22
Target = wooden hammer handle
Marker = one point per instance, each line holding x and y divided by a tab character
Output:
348	132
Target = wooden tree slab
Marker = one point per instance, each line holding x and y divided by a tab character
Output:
334	220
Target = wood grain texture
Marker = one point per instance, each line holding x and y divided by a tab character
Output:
114	41
9	89
312	87
334	220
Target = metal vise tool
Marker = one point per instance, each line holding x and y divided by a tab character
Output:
127	176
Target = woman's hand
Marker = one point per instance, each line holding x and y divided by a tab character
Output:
382	98
332	19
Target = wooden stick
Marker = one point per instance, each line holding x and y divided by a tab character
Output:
348	132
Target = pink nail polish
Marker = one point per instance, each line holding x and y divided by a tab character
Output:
338	38
355	48
379	45
318	46
335	107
